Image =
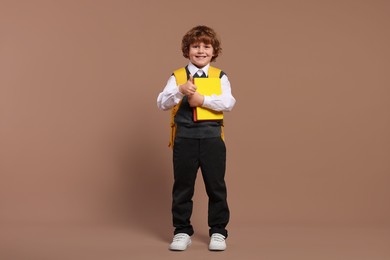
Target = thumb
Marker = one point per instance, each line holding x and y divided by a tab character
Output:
191	79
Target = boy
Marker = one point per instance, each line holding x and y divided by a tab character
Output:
198	144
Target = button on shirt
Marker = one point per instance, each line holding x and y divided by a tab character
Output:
171	95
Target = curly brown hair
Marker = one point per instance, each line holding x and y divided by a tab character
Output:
201	33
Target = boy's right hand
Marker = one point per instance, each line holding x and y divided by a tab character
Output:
188	88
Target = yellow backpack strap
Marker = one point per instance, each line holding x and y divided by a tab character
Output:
214	72
181	78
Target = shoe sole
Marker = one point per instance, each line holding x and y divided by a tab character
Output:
217	248
180	249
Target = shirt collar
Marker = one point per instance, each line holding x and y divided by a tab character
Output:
193	69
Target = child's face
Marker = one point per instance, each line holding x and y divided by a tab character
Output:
201	54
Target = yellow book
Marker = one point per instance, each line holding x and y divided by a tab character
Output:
207	87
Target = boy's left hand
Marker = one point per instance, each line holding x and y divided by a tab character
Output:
196	100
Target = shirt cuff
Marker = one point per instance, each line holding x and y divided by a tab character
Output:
206	101
178	94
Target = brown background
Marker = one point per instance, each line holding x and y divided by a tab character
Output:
85	168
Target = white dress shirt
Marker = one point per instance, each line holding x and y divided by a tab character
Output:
171	95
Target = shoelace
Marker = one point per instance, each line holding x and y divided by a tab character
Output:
179	237
218	237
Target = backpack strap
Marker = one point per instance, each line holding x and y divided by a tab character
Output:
181	78
217	73
214	72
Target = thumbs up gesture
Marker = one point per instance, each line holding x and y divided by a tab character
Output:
188	88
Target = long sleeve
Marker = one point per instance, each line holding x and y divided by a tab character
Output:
170	96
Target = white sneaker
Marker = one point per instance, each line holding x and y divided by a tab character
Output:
217	242
180	242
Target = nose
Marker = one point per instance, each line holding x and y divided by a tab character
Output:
200	49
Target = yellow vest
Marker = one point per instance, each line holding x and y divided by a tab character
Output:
181	78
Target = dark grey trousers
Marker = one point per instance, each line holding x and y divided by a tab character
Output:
209	155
